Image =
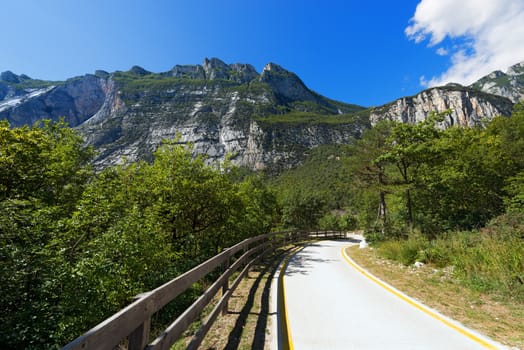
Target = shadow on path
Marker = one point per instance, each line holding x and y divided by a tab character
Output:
302	262
268	269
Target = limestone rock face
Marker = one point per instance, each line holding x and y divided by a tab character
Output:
215	69
217	107
76	100
469	107
286	84
4	90
215	116
188	71
242	73
509	84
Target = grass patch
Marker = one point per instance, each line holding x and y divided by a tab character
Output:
134	83
35	84
308	118
488	261
406	252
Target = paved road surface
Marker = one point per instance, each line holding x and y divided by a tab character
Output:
331	305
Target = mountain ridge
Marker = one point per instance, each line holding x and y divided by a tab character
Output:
265	120
509	84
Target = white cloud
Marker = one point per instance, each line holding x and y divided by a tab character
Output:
490	34
442	51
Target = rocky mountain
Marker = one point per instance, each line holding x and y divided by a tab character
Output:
265	120
509	84
492	95
24	100
223	110
468	106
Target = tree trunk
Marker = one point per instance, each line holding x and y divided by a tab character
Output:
382	204
409	207
382	212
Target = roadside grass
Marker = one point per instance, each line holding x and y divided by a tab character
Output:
495	315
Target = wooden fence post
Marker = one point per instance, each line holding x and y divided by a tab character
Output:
139	338
225	286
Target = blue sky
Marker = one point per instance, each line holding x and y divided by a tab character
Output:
352	51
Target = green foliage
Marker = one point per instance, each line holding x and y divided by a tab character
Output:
301	210
337	221
465	189
35	84
406	251
133	85
77	247
490	260
453	179
308	118
370	179
311	190
515	189
495	264
42	173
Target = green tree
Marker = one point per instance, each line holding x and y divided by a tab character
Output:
370	175
302	210
410	148
165	217
43	170
515	188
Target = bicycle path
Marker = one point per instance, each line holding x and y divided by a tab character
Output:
331	304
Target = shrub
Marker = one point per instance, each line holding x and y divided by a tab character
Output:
405	251
493	260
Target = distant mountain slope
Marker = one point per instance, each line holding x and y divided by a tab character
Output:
24	100
509	84
469	106
490	96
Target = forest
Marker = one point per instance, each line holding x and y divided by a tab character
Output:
78	244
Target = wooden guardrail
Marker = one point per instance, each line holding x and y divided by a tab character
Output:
133	322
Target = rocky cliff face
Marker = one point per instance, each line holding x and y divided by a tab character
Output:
25	101
261	121
509	84
468	106
219	108
221	116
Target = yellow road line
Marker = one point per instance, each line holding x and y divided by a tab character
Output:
287	341
415	304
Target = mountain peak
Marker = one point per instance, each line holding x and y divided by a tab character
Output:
214	62
273	67
9	77
215	69
516	69
285	83
139	70
507	84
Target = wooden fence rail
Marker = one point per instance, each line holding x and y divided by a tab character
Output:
133	322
